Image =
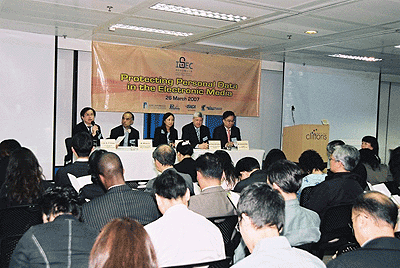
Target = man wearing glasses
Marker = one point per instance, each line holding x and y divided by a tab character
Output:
227	133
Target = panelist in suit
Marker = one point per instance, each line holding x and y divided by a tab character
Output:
88	125
197	134
120	200
374	218
227	132
131	135
166	133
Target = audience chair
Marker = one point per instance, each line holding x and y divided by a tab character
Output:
346	248
307	247
14	222
305	195
138	185
68	157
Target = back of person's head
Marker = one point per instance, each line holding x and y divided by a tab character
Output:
310	160
374	143
60	200
93	162
227	165
109	165
348	155
265	206
82	143
164	154
23	176
246	164
170	185
184	148
272	156
367	156
286	175
84	110
123	243
394	164
330	148
226	114
377	205
210	166
8	146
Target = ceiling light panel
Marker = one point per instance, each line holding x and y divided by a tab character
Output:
149	30
351	57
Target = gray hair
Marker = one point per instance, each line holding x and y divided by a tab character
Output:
348	155
197	114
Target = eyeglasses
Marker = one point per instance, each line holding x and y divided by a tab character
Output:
351	223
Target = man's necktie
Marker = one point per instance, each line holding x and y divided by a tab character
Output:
126	138
228	133
198	133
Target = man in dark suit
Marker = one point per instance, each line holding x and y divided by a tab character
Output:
88	125
374	218
197	134
120	200
131	135
227	133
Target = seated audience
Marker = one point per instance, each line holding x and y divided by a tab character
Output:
24	180
330	147
62	240
342	187
123	243
197	134
213	201
6	148
186	163
131	135
261	213
166	133
301	225
248	171
181	236
227	133
312	164
229	179
88	125
273	156
120	200
376	172
164	158
374	218
394	165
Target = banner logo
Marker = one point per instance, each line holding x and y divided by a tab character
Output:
182	64
314	135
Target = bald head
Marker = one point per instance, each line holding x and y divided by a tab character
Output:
165	154
110	169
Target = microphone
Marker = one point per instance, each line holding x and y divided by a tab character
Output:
97	131
293	109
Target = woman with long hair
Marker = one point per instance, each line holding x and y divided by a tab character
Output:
166	133
229	179
123	243
376	172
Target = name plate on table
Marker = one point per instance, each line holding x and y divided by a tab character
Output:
243	145
214	145
107	144
145	144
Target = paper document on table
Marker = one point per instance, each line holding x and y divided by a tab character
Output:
396	199
119	139
381	187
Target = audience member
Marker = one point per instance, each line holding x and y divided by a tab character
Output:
181	236
301	225
88	125
371	143
213	201
374	218
123	243
330	147
227	133
24	180
394	164
273	156
6	148
197	134
248	171
229	179
130	134
166	133
164	158
120	200
376	172
342	187
186	163
62	241
261	213
312	164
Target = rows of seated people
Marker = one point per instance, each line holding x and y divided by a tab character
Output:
102	225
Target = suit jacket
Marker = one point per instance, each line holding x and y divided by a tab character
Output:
220	134
119	131
81	127
160	136
78	169
212	202
256	176
187	166
380	252
55	243
186	177
189	133
120	201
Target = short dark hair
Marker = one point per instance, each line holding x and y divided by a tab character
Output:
227	114
58	199
265	206
84	110
209	165
93	168
110	165
82	143
272	156
377	205
330	147
7	146
184	148
246	164
285	174
310	160
165	154
170	185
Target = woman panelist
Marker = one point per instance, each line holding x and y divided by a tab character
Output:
166	133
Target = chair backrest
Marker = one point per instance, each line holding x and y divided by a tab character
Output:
69	155
336	221
305	195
